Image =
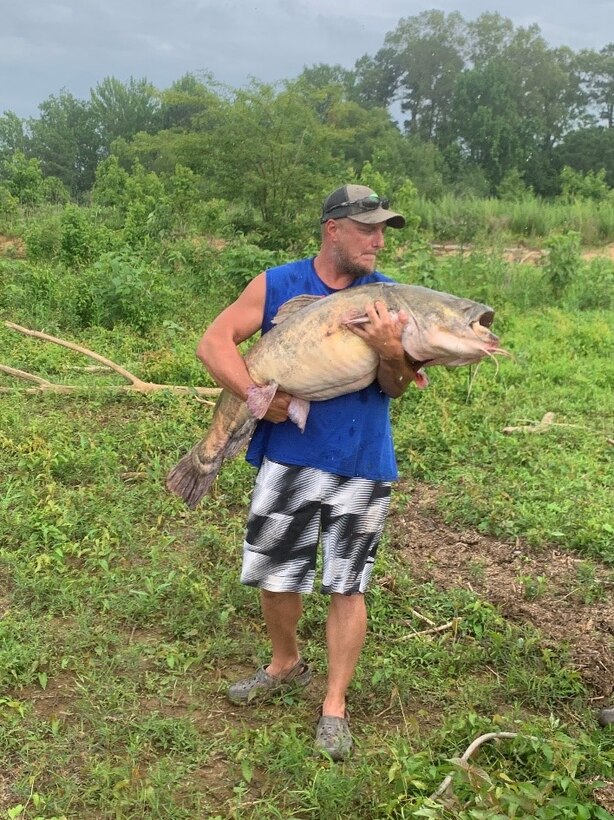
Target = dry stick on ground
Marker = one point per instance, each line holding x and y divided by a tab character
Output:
421	617
547	421
453	624
473	747
136	385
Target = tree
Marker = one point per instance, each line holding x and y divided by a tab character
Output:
512	107
323	76
283	156
427	52
488	121
65	141
376	79
489	36
186	99
13	135
124	109
23	179
109	189
588	149
597	71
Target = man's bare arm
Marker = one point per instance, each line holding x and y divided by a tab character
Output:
218	351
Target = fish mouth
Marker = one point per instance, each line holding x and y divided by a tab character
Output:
420	378
414	363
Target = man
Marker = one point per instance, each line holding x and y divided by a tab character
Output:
334	478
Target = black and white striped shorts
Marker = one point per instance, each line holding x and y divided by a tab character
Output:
292	509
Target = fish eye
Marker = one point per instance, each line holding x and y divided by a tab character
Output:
487	318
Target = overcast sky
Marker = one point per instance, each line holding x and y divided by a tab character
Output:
74	44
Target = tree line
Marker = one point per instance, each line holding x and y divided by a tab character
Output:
476	108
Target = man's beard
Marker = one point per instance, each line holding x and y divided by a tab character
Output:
348	267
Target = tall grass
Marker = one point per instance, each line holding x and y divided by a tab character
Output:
452	219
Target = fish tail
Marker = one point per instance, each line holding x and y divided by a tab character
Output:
231	428
191	478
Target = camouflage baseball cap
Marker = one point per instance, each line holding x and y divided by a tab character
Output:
361	204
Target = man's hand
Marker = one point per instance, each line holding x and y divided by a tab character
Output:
278	408
382	332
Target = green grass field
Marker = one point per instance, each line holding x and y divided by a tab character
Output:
491	611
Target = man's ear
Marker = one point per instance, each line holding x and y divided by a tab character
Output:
331	228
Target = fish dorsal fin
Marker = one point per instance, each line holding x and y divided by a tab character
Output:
290	307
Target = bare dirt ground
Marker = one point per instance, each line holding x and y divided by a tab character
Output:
12	246
546	589
520	254
563	610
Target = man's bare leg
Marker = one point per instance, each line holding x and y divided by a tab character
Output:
282	611
346	628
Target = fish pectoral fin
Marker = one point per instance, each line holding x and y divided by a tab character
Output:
259	398
290	307
298	410
354	319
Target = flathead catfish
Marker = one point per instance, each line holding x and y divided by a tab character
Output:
312	355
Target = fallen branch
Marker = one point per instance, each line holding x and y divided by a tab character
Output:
420	616
22	374
473	747
547	421
533	426
453	624
135	385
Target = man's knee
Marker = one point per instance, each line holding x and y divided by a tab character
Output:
355	602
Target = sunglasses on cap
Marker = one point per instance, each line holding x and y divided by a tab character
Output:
357	206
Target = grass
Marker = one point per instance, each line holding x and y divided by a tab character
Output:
123	619
530	220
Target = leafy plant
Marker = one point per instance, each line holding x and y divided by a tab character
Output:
563	260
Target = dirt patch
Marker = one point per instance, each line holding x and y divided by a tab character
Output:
568	599
56	701
12	246
520	254
605	797
606	252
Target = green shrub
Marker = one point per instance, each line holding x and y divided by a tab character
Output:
513	188
592	288
55	192
43	237
8	207
123	288
591	185
563	260
33	293
84	238
239	262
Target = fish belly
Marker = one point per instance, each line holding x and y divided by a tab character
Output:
315	366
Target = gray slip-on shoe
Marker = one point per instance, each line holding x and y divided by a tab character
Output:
333	736
262	685
606	717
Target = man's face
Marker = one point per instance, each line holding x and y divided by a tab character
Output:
356	246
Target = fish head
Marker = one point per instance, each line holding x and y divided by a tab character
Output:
447	330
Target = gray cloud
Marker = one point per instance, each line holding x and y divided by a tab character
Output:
74	44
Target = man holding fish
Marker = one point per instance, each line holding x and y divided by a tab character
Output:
334	477
320	380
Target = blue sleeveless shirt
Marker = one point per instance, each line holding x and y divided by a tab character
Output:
348	435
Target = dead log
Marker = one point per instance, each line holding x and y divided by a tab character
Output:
135	385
